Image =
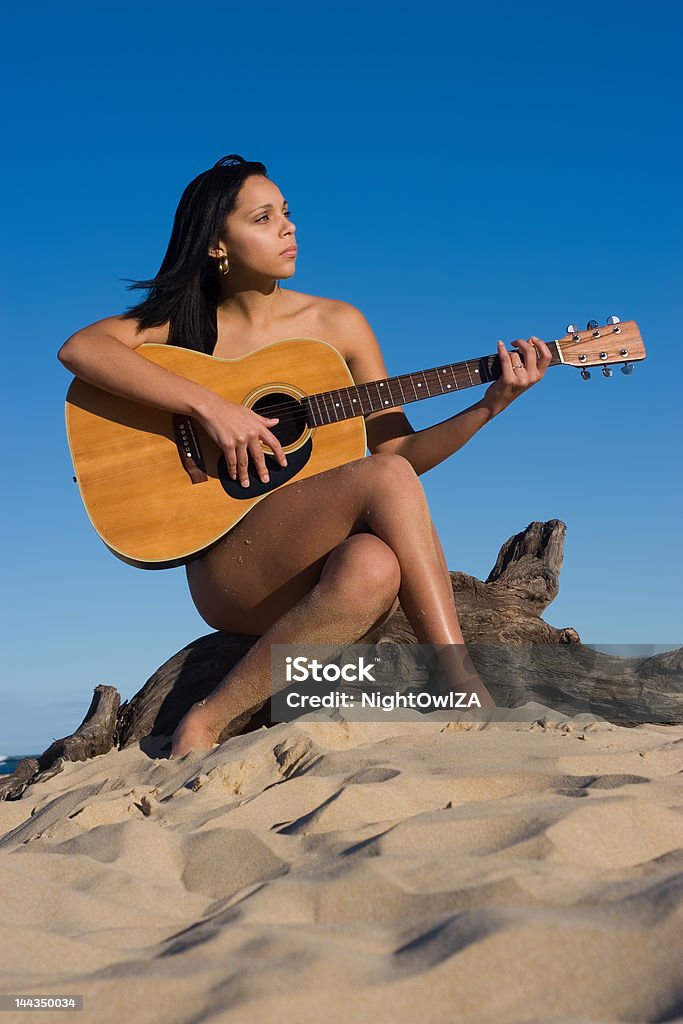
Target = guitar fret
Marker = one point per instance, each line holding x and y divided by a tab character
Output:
349	401
384	401
317	402
369	400
444	370
344	403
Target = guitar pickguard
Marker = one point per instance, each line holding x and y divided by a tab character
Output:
296	460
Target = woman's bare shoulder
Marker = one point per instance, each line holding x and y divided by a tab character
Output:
324	307
328	319
127	330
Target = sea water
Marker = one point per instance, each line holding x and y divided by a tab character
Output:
9	762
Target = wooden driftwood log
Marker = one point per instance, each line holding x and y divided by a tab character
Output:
520	657
95	735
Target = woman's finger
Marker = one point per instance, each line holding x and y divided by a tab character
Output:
544	354
243	465
539	354
526	354
259	460
275	446
505	363
231	460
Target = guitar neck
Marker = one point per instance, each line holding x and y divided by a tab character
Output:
362	399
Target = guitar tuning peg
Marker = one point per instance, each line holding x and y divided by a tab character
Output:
606	372
627	368
571	329
612	320
591	325
585	374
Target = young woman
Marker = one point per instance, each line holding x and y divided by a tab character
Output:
326	559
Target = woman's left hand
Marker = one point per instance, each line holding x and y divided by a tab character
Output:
531	360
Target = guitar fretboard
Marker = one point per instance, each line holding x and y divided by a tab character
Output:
362	399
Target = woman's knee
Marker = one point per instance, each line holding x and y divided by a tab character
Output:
392	474
391	463
366	567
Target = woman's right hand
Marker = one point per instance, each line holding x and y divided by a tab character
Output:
238	431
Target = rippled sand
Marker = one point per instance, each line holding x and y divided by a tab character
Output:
343	872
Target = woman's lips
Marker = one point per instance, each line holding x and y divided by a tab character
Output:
289	252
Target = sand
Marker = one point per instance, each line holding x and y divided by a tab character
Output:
314	871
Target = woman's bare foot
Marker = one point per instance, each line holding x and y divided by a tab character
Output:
456	673
193	732
473	684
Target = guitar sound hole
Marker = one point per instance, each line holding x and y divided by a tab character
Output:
291	413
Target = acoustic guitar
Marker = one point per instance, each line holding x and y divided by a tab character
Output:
157	488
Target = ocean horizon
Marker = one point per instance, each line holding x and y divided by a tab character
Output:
9	762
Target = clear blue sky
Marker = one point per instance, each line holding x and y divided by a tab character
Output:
459	172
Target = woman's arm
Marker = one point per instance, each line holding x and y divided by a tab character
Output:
389	430
426	448
104	354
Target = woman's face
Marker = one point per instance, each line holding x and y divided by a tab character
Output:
259	234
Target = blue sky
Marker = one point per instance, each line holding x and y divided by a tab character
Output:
461	173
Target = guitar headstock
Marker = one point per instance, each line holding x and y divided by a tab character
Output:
616	342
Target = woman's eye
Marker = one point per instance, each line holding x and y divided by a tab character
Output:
288	213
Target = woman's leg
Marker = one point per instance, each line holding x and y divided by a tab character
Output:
268	578
452	663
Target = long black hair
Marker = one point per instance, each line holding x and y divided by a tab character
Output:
185	291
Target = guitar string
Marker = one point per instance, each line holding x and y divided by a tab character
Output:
291	406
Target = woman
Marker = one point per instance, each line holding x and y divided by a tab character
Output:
326	559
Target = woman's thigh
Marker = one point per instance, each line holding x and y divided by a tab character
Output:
275	555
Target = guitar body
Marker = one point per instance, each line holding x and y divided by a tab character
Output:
156	487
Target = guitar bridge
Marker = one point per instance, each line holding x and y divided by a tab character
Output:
190	453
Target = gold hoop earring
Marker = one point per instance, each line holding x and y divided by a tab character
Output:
224	265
